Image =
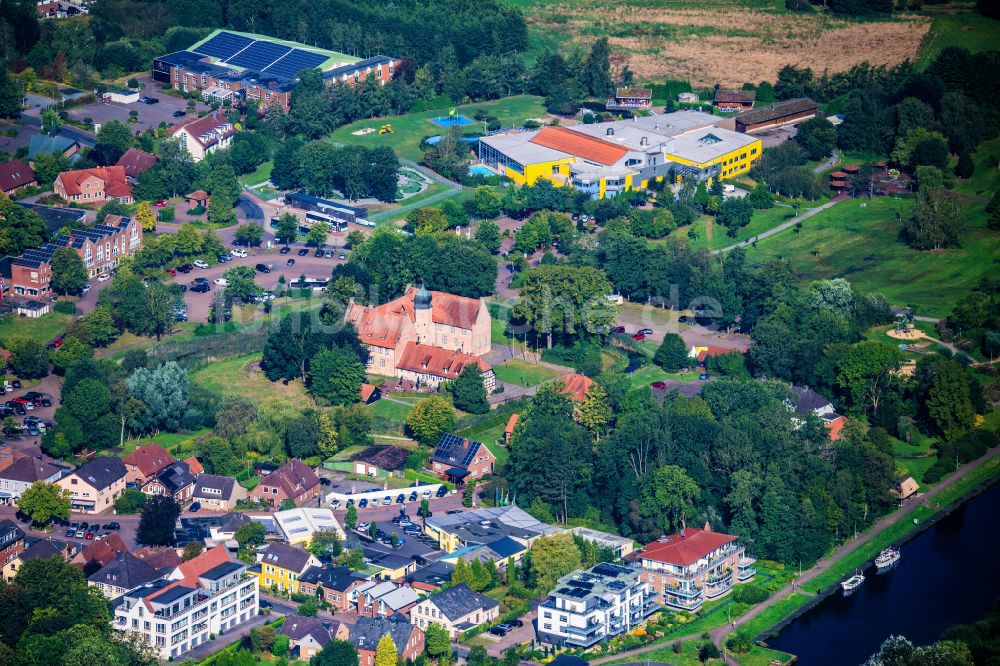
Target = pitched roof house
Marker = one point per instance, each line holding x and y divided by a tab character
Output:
575	386
97	554
14	175
200	136
308	635
282	565
57	145
40	549
122	574
460	459
11	541
457	609
96	485
175	481
218	492
159	558
136	162
143	463
335	585
95	185
384	598
21	473
294	480
368	631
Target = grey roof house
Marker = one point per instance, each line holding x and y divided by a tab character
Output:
457	609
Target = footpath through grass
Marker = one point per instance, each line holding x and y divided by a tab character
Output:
862	244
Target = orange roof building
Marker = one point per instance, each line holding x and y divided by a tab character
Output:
426	336
575	386
585	147
194	466
96	185
509	428
143	463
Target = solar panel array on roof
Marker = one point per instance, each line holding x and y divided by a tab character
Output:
294	62
613	570
224	45
258	55
454	444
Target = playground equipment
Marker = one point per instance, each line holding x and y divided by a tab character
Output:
385	129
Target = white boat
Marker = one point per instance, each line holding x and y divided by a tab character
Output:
853	582
887	558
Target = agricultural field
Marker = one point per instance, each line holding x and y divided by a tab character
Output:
410	129
681	39
863	245
966	29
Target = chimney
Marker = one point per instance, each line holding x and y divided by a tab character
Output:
611	131
643	141
708	527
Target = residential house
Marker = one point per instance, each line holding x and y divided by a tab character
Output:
293	481
56	218
218	493
483	526
734	100
201	136
630	99
508	430
370	394
384	599
381	461
575	386
587	607
335	585
389	566
281	566
905	489
308	635
15	175
95	485
102	247
300	524
807	400
619	545
459	459
206	596
23	471
425	336
174	481
56	145
98	554
136	162
431	578
96	185
122	574
686	569
142	464
11	542
457	609
368	631
40	549
161	559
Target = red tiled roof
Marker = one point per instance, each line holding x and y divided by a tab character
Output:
511	422
210	559
835	428
159	558
713	351
102	551
135	162
197	195
149	459
735	96
686	547
579	144
382	326
376	326
115	184
15	174
194	465
294	477
198	127
447	309
577	385
437	361
366	392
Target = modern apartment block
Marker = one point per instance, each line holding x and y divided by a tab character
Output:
587	607
207	595
686	569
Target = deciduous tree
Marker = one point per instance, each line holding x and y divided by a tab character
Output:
469	392
159	516
429	419
68	272
43	501
672	354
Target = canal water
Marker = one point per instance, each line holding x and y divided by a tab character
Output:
947	575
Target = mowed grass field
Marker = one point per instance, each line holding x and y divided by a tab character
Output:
684	39
712	236
42	329
522	373
863	246
966	29
240	376
410	129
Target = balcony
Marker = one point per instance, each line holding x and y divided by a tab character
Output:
689	575
671	600
745	574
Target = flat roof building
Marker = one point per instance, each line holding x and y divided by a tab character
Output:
483	526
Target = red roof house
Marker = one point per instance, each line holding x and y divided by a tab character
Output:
95	185
14	175
135	162
143	463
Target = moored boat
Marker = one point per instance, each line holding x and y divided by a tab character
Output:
887	558
853	582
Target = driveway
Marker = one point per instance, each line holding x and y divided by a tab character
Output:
516	636
150	115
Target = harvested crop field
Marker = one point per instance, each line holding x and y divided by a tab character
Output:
679	41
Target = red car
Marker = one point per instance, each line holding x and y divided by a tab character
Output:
160	204
171	272
89	535
618	329
638	337
21	401
658	385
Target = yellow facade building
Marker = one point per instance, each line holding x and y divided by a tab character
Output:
282	565
605	159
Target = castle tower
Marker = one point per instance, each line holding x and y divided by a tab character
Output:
422	316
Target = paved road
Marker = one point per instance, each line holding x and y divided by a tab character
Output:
829	163
719	634
781	227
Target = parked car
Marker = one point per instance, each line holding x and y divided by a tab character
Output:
453	511
514	623
703	376
342	256
413	496
329	254
185	268
498	631
363	503
323	481
658	385
319	253
223	258
618	330
239	252
149	100
400	498
222	282
80	532
16	383
335	504
160	204
639	337
179	113
104	277
86	289
200	263
363	527
442	491
114	525
646	331
195	506
70	532
285	250
46	402
387	501
400	540
262	268
290	262
303	251
200	287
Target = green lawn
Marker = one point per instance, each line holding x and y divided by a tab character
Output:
648	374
986	179
233	376
410	129
863	245
489	435
968	30
522	373
258	176
43	328
388	409
761	221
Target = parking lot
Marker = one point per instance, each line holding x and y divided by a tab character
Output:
150	115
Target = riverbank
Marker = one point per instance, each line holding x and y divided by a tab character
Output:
942	500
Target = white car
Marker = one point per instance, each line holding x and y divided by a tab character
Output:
426	494
362	527
335	504
103	278
86	288
387	501
222	282
239	252
200	263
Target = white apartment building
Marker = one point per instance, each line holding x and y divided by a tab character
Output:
587	607
198	599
